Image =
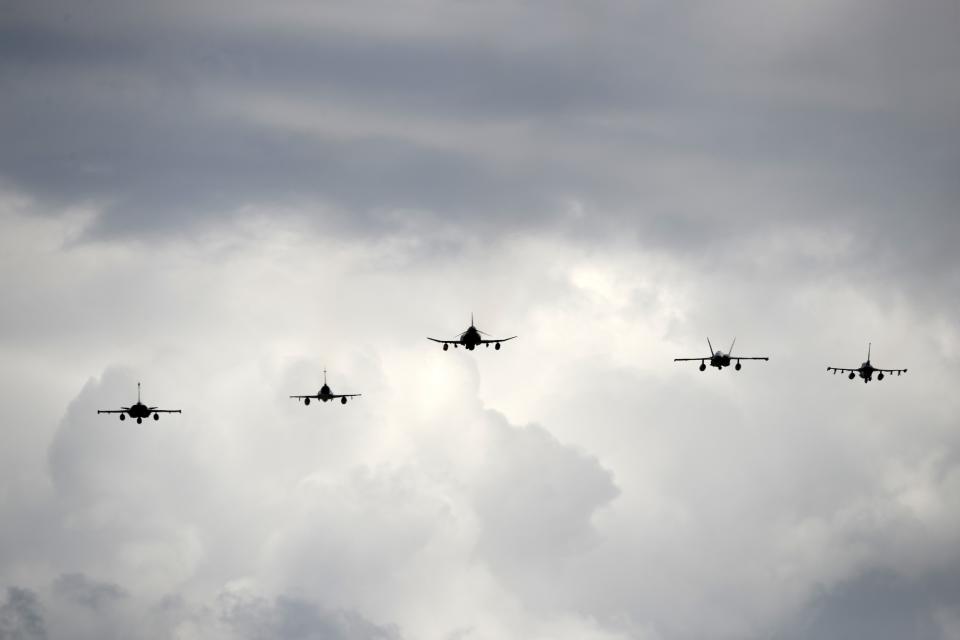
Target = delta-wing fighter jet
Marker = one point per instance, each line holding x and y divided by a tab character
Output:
866	370
471	338
719	359
139	410
326	395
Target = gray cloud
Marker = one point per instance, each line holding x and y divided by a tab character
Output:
79	589
535	498
21	616
676	126
295	619
222	203
880	603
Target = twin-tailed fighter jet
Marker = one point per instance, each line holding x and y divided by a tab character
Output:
472	337
866	370
325	394
139	410
719	359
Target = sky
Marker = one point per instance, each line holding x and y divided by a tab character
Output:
222	199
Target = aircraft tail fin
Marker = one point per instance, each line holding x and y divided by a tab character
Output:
138	393
709	345
869	347
731	346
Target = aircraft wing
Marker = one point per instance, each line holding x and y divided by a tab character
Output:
345	395
896	371
444	341
155	410
497	340
691	359
749	358
113	410
842	370
303	397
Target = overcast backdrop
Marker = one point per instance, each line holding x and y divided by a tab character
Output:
221	199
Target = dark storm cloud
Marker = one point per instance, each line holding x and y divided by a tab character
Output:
880	603
671	125
285	618
81	590
21	616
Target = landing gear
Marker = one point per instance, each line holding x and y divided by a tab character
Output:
123	416
446	347
703	366
139	420
156	416
343	401
497	346
738	367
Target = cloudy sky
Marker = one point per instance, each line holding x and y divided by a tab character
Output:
221	199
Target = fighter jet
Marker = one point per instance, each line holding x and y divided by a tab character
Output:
139	410
719	359
470	338
866	370
325	395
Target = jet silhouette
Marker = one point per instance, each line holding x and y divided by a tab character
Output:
719	359
139	410
866	370
325	394
470	338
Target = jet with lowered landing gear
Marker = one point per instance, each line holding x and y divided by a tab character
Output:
139	410
866	370
719	359
326	395
471	338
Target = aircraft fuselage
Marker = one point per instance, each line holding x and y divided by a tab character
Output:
865	371
470	338
139	412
